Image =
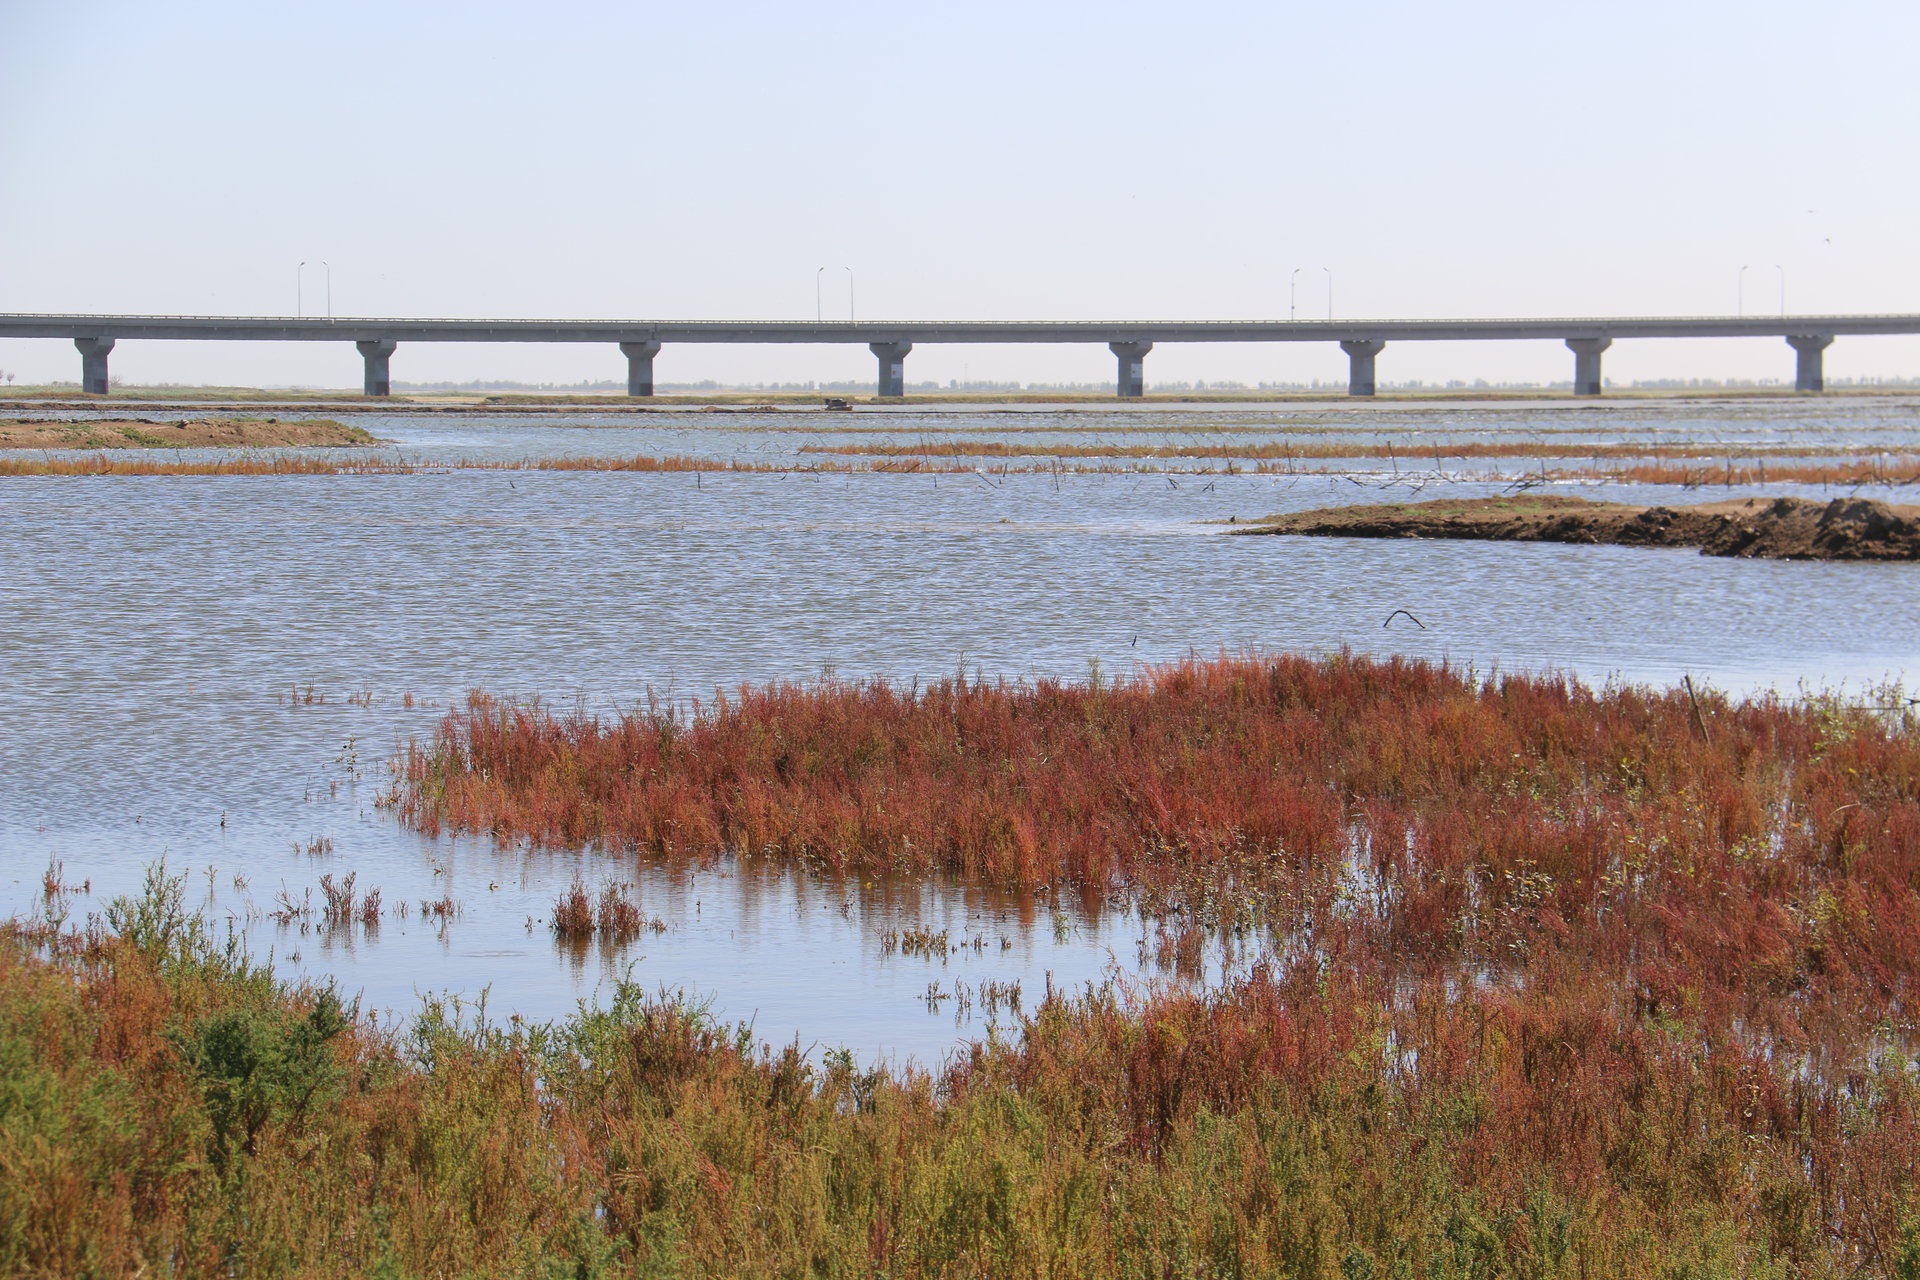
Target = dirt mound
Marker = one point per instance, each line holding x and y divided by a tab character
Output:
195	433
1797	529
1755	528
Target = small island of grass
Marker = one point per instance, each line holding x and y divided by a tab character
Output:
192	433
1753	528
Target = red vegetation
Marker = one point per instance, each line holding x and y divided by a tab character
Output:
1757	861
617	920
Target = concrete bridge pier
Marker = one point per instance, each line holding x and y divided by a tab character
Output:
375	352
1809	372
1133	374
1586	364
893	367
640	366
93	364
1360	354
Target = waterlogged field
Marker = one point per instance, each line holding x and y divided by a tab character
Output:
218	669
1103	895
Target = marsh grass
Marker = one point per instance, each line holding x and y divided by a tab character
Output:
936	459
1890	470
171	1108
1413	452
306	465
612	916
1755	863
1690	466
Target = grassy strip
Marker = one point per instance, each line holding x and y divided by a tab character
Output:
166	1108
304	465
1407	451
102	464
1852	474
1863	471
192	433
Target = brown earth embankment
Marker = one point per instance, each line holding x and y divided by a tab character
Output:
1753	528
192	433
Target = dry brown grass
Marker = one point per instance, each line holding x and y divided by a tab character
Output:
1438	452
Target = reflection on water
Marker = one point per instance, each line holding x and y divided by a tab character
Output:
217	670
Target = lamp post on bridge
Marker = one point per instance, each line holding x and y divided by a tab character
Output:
850	313
1293	287
299	289
1329	271
817	317
1783	287
1740	298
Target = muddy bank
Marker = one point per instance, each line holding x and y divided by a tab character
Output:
1755	528
194	433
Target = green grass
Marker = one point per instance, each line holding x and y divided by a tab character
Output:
169	1108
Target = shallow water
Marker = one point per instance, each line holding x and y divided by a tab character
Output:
215	670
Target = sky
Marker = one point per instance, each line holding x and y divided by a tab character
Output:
1207	160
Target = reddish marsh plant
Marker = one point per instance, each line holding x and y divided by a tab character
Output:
1754	861
573	915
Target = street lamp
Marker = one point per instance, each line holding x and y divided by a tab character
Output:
1329	272
1293	291
850	315
1740	302
816	294
1783	287
299	281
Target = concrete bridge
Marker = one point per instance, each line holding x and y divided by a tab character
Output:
1130	341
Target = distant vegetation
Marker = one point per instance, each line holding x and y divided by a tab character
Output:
1259	459
191	433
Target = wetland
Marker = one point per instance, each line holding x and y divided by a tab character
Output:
751	867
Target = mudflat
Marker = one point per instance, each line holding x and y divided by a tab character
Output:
1754	528
192	433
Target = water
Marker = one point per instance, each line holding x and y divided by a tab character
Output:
216	670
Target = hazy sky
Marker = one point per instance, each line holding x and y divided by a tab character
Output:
986	160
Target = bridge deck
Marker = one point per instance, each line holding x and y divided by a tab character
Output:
349	329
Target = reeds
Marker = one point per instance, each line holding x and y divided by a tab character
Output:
1264	459
169	1108
303	465
1840	473
103	464
339	908
573	914
615	919
1406	451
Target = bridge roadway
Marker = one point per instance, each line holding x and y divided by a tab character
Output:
890	341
